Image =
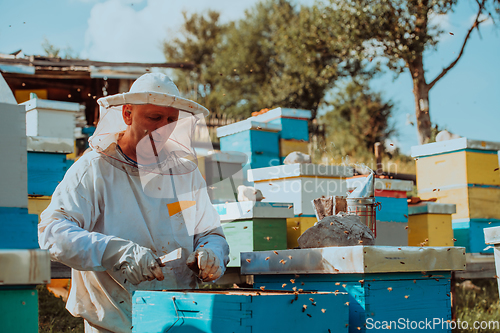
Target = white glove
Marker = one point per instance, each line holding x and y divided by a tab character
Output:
205	264
131	262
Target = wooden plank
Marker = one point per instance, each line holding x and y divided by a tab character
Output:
19	310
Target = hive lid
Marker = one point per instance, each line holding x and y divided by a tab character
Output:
383	184
245	210
283	113
24	267
354	259
297	170
227	157
453	145
492	235
431	208
248	124
50	145
45	104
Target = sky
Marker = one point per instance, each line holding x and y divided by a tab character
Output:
465	102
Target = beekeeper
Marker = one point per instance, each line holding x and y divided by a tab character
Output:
136	196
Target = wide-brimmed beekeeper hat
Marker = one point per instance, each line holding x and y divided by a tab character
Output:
157	89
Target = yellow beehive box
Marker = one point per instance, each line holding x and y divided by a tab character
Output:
288	146
473	202
295	227
429	224
456	162
36	205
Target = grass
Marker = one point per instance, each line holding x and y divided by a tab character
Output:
53	316
471	306
480	305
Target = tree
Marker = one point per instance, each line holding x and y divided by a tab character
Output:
278	55
54	52
401	31
357	120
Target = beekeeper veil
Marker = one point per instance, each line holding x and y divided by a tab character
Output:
165	151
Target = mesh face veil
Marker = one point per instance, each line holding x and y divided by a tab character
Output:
164	151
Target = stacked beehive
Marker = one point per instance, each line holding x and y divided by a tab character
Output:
253	226
392	209
50	127
294	134
462	172
300	184
22	264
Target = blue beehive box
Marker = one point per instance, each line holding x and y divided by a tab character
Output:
294	122
384	283
259	141
469	233
392	209
45	171
18	229
239	310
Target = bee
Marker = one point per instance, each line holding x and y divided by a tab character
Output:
390	289
283	285
295	228
290	206
311	299
235	286
454	239
402	263
290	257
304	307
302	283
309	315
406	228
347	303
262	288
406	216
346	232
323	310
275	252
361	281
344	285
292	281
331	223
360	242
294	288
267	258
337	283
249	260
406	296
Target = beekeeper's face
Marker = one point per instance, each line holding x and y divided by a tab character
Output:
159	121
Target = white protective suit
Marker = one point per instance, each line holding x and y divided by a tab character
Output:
100	199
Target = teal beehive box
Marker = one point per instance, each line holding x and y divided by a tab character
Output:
242	311
294	122
259	141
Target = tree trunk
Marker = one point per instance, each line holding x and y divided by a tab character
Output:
421	93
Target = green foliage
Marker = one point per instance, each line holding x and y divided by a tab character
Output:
53	316
54	52
278	55
358	119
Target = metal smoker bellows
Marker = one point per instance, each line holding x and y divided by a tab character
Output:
365	208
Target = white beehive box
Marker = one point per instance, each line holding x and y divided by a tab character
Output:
53	119
300	184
